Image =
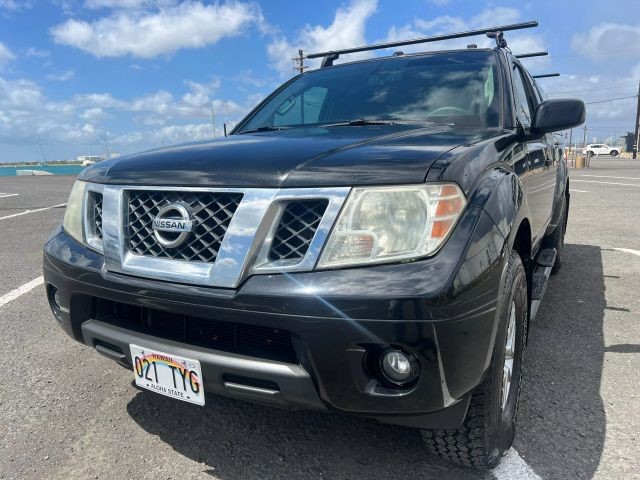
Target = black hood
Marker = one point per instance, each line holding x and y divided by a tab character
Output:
338	156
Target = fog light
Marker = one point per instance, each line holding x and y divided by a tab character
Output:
54	302
398	367
55	295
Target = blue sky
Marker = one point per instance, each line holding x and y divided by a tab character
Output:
80	76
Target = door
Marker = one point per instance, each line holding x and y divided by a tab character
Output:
540	180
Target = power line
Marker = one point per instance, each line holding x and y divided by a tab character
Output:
611	100
622	85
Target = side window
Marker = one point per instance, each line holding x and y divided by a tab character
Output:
301	109
523	105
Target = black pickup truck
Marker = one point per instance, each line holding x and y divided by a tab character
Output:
373	238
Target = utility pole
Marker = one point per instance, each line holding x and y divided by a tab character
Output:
570	150
299	60
584	145
42	162
106	146
637	137
213	120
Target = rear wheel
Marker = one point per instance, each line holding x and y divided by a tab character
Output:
489	427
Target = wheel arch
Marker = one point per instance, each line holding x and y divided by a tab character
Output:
501	194
520	241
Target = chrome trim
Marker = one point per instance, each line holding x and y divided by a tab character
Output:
238	387
244	249
89	236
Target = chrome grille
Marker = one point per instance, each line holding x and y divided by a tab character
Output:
212	213
95	214
296	229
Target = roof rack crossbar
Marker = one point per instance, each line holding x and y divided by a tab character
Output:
436	38
533	54
545	75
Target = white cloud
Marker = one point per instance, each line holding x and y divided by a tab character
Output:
103	100
13	5
28	116
149	34
346	30
35	52
96	4
5	55
95	114
607	38
182	133
27	113
519	42
61	77
604	117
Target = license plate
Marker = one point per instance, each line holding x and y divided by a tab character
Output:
167	374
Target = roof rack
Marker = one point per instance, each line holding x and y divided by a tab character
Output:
533	54
545	75
492	32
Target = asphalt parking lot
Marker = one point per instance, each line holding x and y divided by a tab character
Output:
66	412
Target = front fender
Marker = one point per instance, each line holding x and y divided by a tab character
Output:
501	195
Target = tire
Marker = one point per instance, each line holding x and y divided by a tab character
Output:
489	429
556	239
614	153
590	154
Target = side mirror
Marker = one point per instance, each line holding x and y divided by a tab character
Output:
558	114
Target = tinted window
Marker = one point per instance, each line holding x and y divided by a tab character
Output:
523	106
459	89
301	109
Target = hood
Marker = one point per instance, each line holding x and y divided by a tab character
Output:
311	157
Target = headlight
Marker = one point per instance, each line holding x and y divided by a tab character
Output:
385	224
73	214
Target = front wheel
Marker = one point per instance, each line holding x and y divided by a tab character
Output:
489	427
613	153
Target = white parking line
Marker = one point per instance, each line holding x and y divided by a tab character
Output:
608	176
32	211
514	466
579	191
27	287
628	250
5	195
608	183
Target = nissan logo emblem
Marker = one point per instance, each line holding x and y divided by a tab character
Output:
172	225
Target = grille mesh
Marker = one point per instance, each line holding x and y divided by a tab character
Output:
95	213
296	229
212	213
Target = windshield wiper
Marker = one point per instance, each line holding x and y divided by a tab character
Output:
360	122
264	128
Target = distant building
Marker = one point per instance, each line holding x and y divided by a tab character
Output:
89	159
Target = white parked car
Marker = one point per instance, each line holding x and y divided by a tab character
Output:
600	149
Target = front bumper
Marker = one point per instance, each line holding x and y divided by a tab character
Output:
442	310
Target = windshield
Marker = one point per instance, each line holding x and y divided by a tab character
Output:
459	89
